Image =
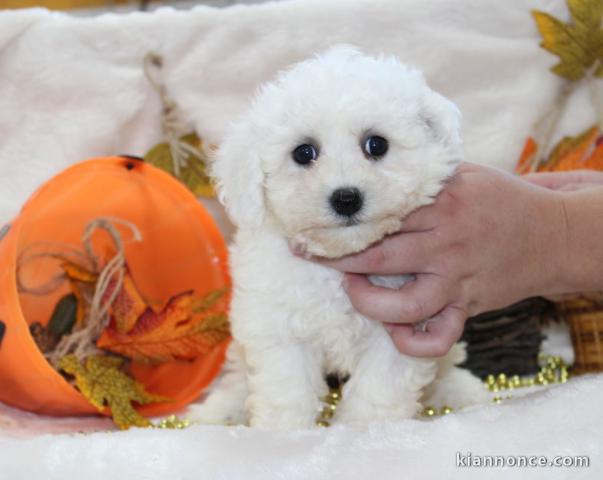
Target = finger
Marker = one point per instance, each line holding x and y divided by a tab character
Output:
429	217
400	254
572	187
422	219
443	331
415	301
558	180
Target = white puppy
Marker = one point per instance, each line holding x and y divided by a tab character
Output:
330	158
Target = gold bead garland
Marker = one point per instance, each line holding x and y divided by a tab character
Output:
331	401
430	411
553	370
173	422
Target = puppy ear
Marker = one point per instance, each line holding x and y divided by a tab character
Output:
442	117
237	173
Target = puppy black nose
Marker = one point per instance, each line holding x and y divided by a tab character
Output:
346	201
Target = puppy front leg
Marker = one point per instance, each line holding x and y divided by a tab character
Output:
385	385
225	401
285	383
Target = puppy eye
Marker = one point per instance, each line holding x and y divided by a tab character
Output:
304	154
375	146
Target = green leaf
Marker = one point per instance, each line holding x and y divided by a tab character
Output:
63	317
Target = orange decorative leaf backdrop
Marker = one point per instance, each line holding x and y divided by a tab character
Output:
584	151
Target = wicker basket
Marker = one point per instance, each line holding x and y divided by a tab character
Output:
585	318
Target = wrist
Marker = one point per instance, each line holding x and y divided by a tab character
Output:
581	259
549	231
534	265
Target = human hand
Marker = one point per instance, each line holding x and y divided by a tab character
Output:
483	244
566	181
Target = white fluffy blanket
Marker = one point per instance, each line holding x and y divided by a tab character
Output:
73	88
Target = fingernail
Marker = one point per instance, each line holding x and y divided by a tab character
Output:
298	249
421	326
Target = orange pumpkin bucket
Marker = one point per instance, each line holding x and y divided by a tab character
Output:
181	250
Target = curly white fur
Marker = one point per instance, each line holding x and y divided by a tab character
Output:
291	320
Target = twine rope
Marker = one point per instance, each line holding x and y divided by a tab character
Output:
173	128
546	125
595	97
82	342
70	253
99	310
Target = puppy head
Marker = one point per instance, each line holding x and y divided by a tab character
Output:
337	151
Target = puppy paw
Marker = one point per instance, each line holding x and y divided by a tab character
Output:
212	414
458	389
283	417
366	412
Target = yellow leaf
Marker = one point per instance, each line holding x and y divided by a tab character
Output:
571	71
586	14
579	43
101	380
193	175
557	39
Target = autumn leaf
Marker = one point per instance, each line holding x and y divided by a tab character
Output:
128	305
174	333
524	165
82	283
209	301
582	151
571	152
77	273
193	175
579	43
103	383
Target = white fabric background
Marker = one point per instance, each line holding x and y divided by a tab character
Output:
73	88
